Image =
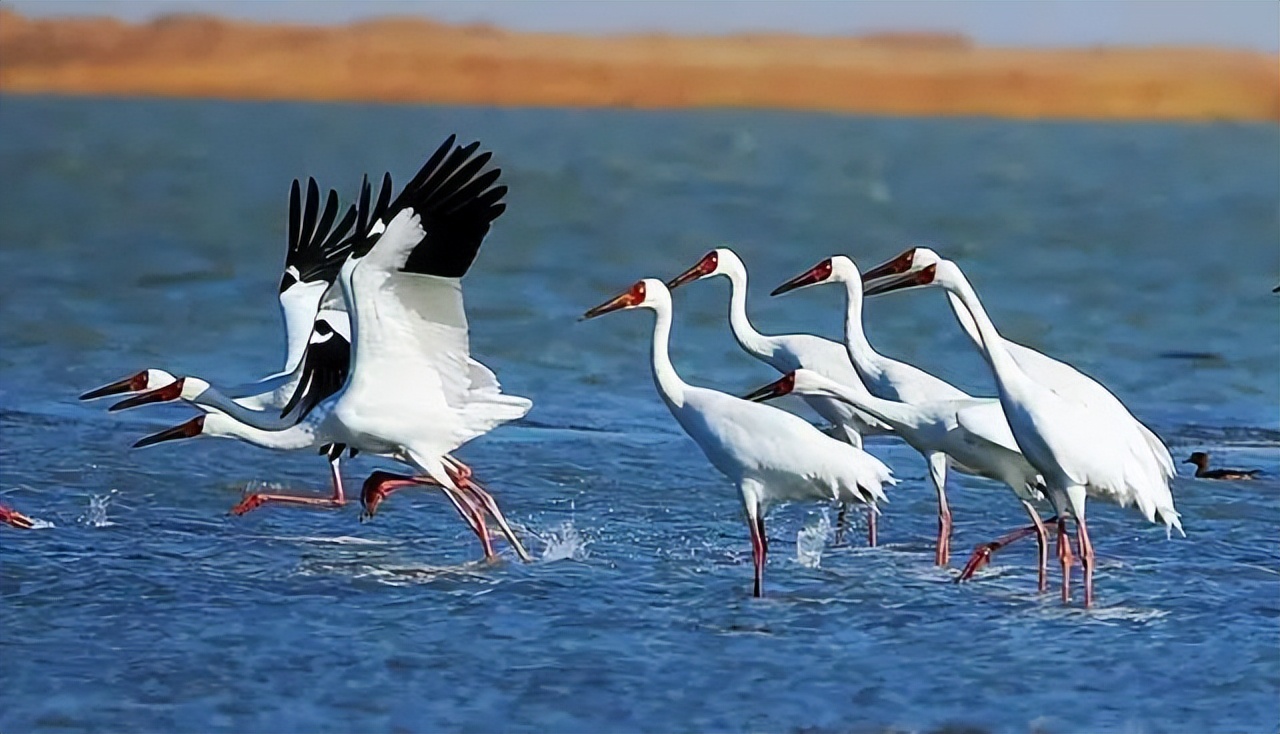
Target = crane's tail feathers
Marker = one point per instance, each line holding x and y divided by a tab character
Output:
1158	450
490	411
1171	521
872	494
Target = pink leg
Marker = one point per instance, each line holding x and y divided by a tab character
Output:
1086	559
982	553
1065	558
462	476
256	500
475	518
943	555
1042	551
12	517
759	552
381	484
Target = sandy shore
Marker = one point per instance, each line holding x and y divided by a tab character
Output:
417	61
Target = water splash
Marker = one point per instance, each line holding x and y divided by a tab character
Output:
403	575
563	542
96	515
811	540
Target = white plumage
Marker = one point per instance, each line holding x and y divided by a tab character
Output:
1079	450
412	393
769	454
1060	377
887	378
973	432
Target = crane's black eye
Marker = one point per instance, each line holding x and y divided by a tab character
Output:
286	281
323	328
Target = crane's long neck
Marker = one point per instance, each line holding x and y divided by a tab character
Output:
346	284
267	420
866	359
1009	376
665	378
890	411
965	318
299	304
300	436
757	344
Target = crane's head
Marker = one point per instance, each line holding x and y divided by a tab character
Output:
837	269
906	261
797	382
190	429
183	388
647	293
144	380
719	261
927	275
783	386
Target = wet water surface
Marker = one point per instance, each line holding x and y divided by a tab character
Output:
137	234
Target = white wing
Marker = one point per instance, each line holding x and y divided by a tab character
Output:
412	365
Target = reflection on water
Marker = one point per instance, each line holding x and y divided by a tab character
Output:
139	234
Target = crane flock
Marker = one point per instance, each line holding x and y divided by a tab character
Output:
378	362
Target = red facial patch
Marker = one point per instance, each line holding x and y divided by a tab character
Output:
138	382
787	383
822	271
900	264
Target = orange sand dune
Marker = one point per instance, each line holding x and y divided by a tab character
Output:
413	60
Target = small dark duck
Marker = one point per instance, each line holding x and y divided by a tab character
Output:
1201	460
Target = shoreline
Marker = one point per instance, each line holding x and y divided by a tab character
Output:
417	61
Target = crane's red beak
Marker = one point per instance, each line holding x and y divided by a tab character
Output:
172	391
633	296
706	266
923	276
897	266
12	517
135	383
775	389
190	429
817	274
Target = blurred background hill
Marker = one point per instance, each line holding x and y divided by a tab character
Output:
417	60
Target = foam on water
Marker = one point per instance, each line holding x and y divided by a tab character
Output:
396	574
96	515
322	540
563	542
810	541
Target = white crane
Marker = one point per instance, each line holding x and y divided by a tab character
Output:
788	352
973	432
327	360
1059	377
886	378
412	394
771	455
315	250
1078	449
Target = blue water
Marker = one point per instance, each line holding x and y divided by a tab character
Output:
136	234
